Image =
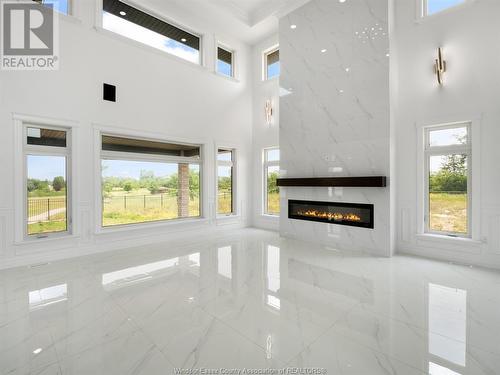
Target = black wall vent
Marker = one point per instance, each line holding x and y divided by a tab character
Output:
109	92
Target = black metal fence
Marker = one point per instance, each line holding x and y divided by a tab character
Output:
142	202
46	209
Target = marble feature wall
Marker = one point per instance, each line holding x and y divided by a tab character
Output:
336	122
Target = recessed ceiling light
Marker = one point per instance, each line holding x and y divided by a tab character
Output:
183	40
37	351
341	91
347	69
123	13
342	1
387	55
323	50
293	27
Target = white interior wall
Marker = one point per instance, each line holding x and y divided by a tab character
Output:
264	135
159	96
468	35
227	110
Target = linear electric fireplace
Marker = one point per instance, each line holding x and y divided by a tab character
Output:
352	214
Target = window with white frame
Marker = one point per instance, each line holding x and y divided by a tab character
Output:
430	7
61	6
142	27
47	154
272	63
225	181
146	181
225	61
448	153
271	174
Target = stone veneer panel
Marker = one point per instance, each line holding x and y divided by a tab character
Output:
336	121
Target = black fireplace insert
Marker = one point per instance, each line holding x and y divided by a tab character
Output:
352	214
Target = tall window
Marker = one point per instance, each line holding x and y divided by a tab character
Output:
47	156
430	7
272	64
225	64
144	181
225	181
135	24
61	6
448	180
271	189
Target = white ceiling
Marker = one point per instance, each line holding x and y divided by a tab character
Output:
252	12
248	20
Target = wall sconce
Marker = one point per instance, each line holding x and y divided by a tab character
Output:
269	112
440	66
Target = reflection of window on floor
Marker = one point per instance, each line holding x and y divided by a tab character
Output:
48	296
435	369
273	268
137	274
224	261
448	323
273	302
273	276
194	260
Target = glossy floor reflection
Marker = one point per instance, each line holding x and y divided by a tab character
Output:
248	299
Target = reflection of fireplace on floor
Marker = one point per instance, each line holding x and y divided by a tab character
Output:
353	214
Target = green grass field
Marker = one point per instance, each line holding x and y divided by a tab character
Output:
47	227
224	204
47	214
139	206
448	212
273	204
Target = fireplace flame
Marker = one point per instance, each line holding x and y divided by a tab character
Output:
330	215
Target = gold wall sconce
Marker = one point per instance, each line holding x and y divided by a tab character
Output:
269	112
440	66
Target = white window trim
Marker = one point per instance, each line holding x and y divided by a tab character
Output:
234	190
234	70
99	27
99	130
264	62
421	9
21	122
266	164
474	180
